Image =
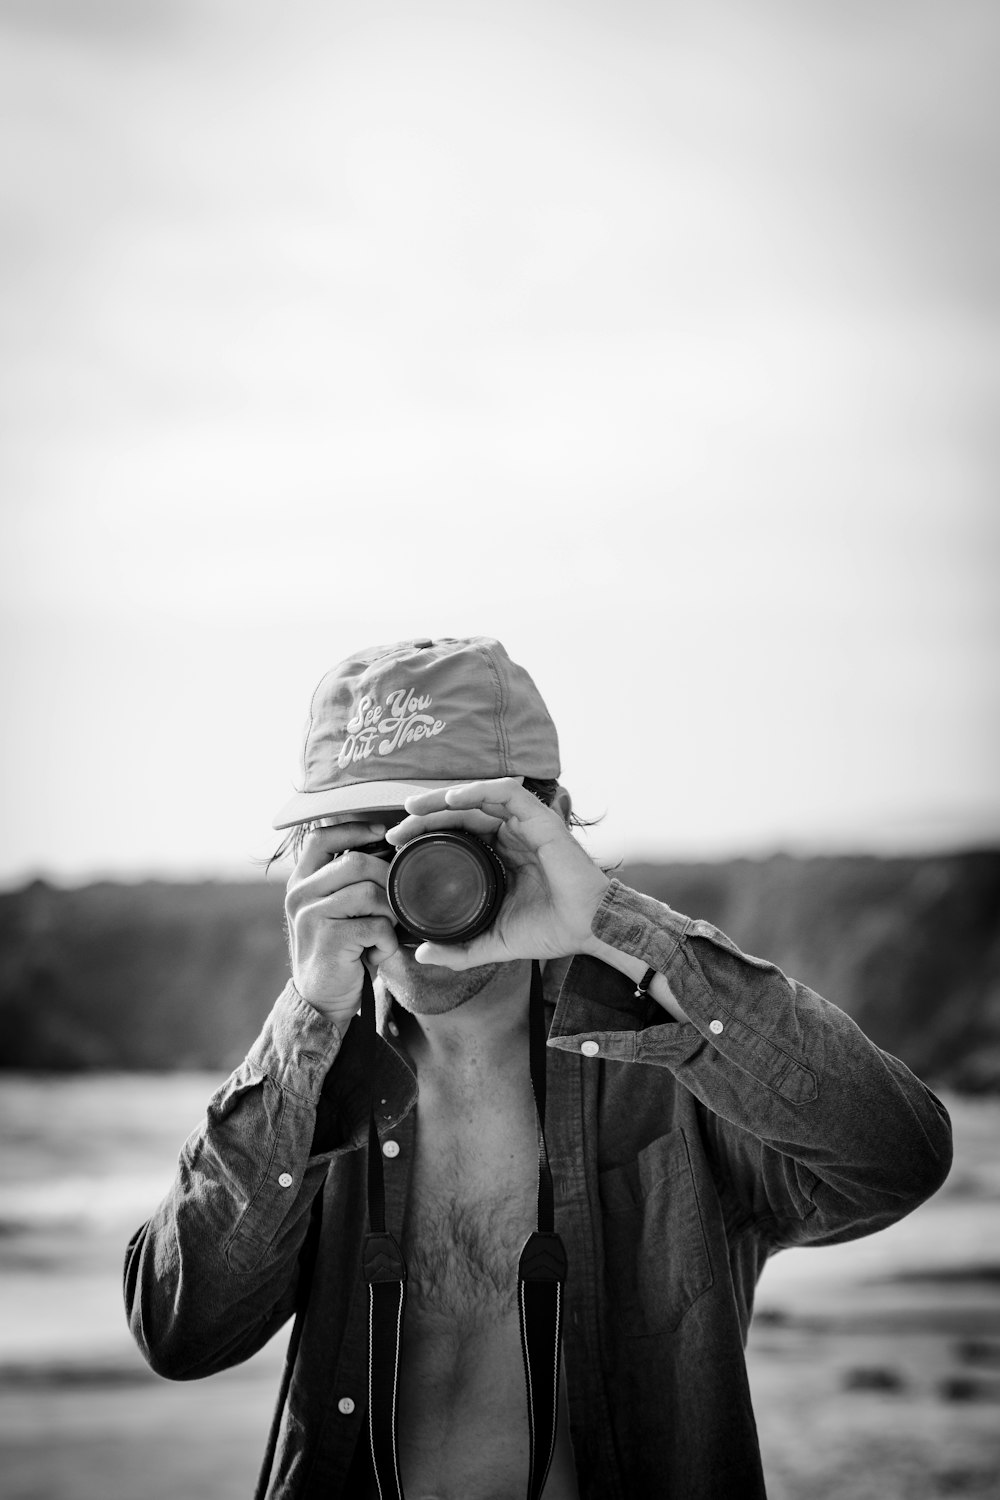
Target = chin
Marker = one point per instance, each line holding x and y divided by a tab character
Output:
429	989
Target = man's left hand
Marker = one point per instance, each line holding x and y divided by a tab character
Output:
553	887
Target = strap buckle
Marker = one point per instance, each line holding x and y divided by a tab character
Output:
543	1258
382	1259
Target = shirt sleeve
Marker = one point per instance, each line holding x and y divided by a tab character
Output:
816	1133
212	1275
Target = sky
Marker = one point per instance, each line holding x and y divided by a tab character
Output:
659	341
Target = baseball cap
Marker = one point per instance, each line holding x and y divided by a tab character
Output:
395	720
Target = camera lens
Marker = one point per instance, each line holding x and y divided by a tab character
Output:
445	887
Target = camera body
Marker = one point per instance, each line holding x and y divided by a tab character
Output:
445	886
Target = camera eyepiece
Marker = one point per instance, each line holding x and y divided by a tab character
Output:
446	887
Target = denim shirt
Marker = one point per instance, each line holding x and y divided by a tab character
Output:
683	1155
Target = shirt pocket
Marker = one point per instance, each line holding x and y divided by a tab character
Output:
656	1259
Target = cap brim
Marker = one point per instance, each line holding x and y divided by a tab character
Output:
362	797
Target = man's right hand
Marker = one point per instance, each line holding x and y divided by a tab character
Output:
338	917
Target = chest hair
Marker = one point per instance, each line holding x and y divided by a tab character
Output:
472	1199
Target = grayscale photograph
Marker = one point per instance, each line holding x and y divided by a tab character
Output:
500	859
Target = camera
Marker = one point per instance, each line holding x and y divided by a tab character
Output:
444	887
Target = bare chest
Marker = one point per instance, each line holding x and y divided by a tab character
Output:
472	1201
463	1430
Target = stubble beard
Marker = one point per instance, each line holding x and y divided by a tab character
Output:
428	989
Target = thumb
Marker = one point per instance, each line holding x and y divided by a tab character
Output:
454	955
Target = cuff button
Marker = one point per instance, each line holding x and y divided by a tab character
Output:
716	1028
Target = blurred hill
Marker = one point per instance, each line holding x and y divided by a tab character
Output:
162	975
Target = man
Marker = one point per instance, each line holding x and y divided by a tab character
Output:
699	1111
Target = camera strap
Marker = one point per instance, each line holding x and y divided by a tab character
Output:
540	1277
541	1273
384	1271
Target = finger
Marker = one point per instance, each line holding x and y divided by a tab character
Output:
355	936
501	798
472	820
430	801
347	869
378	936
481	950
385	944
365	898
321	844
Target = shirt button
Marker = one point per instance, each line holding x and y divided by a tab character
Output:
590	1049
390	1148
345	1406
715	1027
286	1179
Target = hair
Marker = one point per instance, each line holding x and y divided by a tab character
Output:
544	790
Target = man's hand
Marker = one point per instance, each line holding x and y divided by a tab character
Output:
338	915
553	888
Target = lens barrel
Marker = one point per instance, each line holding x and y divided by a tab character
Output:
446	887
